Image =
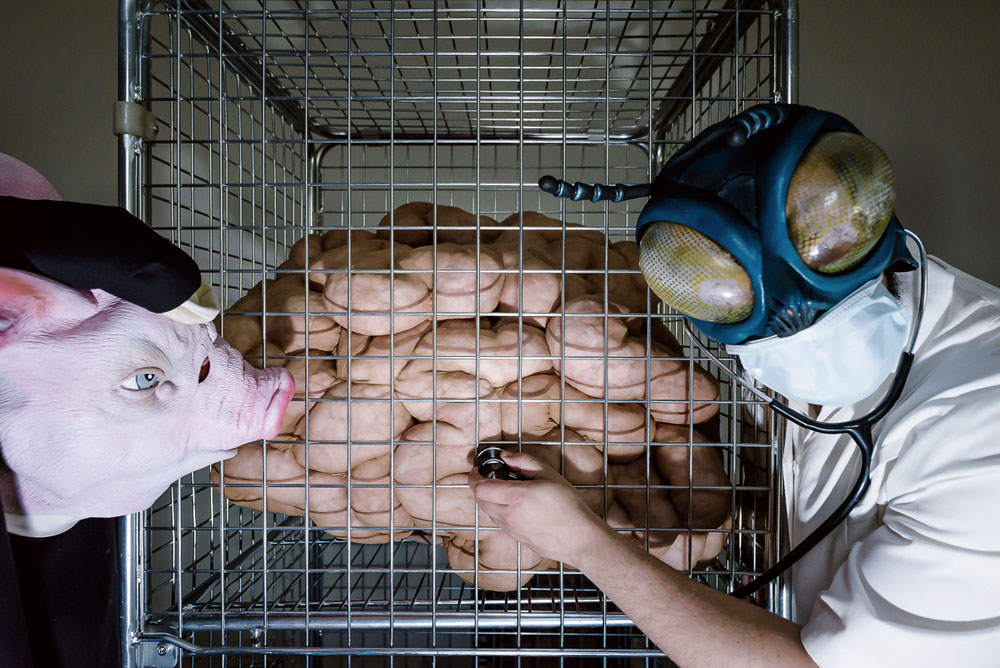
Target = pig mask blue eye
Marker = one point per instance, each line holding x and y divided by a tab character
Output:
142	381
763	221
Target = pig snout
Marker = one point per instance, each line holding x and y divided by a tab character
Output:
247	404
283	387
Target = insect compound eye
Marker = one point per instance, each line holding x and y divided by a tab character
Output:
694	275
840	200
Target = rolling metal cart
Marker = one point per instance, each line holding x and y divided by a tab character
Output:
246	124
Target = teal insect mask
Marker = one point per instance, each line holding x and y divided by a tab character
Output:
764	221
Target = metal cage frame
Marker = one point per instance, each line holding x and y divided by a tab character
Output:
266	134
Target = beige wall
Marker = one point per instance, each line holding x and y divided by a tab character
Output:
918	76
58	77
921	78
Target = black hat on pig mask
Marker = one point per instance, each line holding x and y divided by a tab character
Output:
90	246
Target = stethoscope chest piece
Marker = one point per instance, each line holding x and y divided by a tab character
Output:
490	463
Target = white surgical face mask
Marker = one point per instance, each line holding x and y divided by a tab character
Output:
840	359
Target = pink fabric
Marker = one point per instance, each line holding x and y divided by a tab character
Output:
19	180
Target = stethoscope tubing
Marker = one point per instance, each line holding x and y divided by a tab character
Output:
859	429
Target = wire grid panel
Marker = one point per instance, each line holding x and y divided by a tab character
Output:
279	119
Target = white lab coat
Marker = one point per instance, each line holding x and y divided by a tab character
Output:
912	577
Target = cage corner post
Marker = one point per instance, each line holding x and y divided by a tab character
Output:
786	90
787	61
130	37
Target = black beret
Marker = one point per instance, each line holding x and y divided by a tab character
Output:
89	246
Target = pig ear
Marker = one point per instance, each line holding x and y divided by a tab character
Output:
30	303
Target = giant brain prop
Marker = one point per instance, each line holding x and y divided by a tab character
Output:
385	420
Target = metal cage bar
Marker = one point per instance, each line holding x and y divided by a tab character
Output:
279	119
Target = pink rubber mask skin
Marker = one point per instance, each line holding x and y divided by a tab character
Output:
104	404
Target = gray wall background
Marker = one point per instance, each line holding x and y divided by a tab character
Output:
922	79
58	80
918	76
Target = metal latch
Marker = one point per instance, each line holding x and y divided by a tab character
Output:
155	653
131	118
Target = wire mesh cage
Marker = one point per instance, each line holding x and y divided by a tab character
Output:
278	119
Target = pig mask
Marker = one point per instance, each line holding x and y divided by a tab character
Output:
103	404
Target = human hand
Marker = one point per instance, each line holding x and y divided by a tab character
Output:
543	511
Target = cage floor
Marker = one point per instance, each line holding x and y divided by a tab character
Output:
404	585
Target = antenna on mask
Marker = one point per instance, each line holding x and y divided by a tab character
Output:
594	192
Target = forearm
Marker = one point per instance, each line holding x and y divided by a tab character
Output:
693	624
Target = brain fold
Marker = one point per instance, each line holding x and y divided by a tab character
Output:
412	344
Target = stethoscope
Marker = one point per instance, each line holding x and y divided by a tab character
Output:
489	459
859	429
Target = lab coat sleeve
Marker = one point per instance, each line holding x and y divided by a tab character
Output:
921	589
